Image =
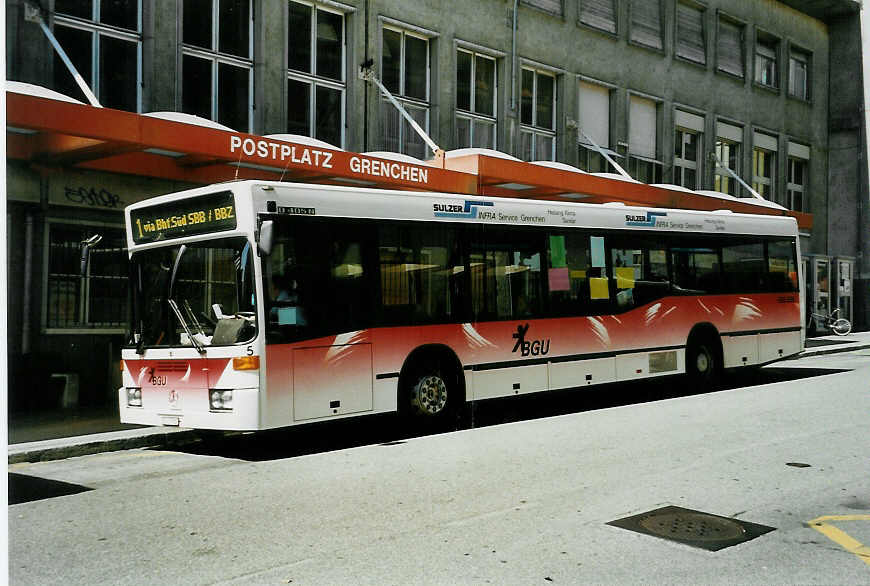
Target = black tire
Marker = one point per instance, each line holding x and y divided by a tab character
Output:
429	394
703	361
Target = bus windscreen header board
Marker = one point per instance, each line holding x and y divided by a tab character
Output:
196	215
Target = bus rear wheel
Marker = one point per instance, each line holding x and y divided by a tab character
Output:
429	393
702	361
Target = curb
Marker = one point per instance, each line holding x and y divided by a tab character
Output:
845	347
59	449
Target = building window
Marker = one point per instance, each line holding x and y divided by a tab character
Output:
538	116
475	100
797	178
643	164
766	69
729	53
551	6
764	165
691	37
103	39
405	73
594	127
646	23
600	14
799	74
728	141
97	300
315	76
216	64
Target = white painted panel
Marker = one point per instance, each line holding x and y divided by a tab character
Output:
642	131
729	131
689	121
799	151
332	380
740	350
595	113
778	345
502	382
566	375
630	366
764	141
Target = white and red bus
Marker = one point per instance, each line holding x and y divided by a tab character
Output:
263	304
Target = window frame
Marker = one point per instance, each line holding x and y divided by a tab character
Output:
764	39
634	160
119	327
721	65
794	54
598	27
702	10
409	103
313	79
534	129
765	150
792	188
471	115
216	59
98	30
661	27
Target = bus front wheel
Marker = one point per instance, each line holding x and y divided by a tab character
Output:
429	392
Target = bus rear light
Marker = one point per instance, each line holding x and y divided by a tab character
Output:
246	363
219	400
134	397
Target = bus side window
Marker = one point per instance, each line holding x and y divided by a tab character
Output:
696	270
507	281
781	266
743	267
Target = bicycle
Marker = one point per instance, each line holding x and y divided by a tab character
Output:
839	325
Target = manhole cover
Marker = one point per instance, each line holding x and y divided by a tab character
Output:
695	528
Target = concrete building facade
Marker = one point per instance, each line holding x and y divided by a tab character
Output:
673	89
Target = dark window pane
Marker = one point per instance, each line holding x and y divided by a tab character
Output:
298	107
329	44
416	70
81	8
299	38
233	96
484	86
196	86
328	110
234	27
78	45
463	80
121	13
197	23
526	96
545	101
392	60
118	83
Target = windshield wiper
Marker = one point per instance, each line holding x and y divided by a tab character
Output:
192	317
193	340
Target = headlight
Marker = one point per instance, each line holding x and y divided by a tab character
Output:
134	397
219	400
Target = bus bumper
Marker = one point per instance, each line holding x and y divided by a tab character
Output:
244	415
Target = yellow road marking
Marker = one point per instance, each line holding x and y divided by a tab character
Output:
840	537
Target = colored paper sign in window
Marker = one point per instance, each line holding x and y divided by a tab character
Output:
558	254
624	277
559	279
598	288
596	244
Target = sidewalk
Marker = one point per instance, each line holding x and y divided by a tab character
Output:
57	436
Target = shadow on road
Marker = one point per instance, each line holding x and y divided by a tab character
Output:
388	430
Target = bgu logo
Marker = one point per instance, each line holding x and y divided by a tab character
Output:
526	348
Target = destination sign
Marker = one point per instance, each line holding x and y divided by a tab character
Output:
197	215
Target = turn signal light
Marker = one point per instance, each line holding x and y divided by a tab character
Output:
246	363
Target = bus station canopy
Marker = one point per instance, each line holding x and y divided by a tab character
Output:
50	132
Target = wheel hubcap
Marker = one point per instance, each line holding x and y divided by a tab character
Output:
430	395
702	362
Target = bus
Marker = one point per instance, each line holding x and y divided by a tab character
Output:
259	305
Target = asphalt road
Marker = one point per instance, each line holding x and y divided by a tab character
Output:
524	497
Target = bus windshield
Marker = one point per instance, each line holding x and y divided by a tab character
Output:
194	295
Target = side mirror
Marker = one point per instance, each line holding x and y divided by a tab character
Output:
86	246
266	234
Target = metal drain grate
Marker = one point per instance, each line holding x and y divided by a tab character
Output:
695	528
